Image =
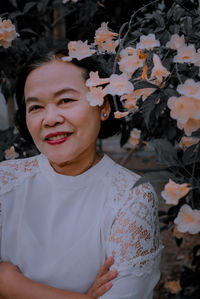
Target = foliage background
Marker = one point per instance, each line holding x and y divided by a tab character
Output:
46	22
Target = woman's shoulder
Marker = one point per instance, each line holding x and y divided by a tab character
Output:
13	172
123	192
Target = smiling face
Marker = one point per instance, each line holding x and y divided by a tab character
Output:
63	125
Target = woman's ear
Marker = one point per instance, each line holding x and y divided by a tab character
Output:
105	109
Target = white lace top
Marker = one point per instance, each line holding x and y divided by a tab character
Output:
59	229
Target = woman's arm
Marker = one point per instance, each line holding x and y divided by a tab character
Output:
14	285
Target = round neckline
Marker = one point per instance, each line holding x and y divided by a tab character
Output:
78	181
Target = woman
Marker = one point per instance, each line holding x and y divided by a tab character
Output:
68	209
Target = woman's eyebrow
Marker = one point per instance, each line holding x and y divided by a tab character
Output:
31	99
57	93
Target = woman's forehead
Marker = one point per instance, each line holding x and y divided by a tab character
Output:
55	75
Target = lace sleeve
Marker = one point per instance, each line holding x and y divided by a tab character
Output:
134	237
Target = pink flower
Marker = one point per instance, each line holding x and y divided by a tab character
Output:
119	114
94	80
183	108
7	33
130	60
187	141
109	45
131	98
78	50
176	42
11	153
159	71
173	192
190	126
148	42
96	96
135	137
186	54
103	35
173	286
188	220
190	88
119	85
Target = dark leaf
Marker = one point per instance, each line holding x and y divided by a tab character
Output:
170	92
178	13
187	25
165	152
159	19
28	30
148	107
144	84
190	155
14	3
28	7
15	14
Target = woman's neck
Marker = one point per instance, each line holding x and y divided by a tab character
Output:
76	166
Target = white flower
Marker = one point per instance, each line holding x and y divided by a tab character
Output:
119	85
96	96
148	42
190	88
176	42
188	220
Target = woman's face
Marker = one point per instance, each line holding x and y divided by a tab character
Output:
60	120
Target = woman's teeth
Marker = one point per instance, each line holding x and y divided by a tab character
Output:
58	137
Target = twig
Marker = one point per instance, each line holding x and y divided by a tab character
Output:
127	157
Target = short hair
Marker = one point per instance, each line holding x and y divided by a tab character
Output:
109	127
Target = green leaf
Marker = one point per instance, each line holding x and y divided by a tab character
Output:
159	19
170	92
148	106
28	30
144	84
189	155
178	13
165	152
187	25
14	3
155	177
28	7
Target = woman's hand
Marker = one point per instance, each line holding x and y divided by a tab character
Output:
103	279
8	274
13	284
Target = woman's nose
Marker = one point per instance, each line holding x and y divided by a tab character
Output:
52	116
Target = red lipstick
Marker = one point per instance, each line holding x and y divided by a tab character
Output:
57	137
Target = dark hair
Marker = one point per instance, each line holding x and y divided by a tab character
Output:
109	127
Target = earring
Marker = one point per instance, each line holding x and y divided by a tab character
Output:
104	114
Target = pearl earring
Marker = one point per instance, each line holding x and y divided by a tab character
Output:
104	114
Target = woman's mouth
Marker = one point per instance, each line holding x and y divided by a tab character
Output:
57	138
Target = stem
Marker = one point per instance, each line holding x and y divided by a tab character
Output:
179	78
197	148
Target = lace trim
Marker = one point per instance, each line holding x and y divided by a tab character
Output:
14	172
134	232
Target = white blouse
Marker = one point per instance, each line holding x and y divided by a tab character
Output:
59	229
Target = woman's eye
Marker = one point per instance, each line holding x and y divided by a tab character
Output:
66	100
33	108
